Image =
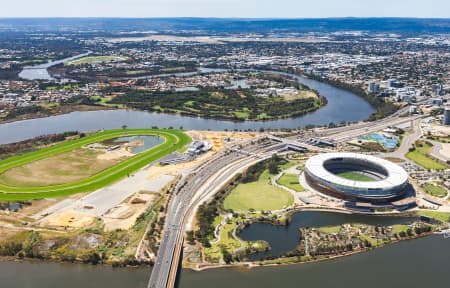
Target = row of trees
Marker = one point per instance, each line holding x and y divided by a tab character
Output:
7	150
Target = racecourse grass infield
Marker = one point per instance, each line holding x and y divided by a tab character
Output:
173	140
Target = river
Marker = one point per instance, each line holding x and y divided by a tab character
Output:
40	72
342	106
409	263
413	264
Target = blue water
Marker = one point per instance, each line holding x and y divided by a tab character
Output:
148	142
388	143
342	106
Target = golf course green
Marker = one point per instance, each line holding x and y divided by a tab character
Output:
173	140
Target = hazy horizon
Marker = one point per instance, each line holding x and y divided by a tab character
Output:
267	9
226	18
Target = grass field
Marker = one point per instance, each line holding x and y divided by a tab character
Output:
440	216
96	60
355	176
226	241
174	140
63	168
330	229
398	228
435	190
420	156
291	181
258	195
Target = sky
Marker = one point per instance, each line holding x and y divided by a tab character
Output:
226	8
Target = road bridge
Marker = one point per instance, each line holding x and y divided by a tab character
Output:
212	174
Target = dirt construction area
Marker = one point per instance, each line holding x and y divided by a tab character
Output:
119	204
63	168
219	139
124	215
445	149
440	130
68	218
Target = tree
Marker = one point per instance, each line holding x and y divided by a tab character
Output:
124	127
273	168
190	237
94	258
227	257
274	164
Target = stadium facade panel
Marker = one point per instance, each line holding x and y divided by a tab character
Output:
389	180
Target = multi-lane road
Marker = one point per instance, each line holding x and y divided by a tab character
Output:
191	190
216	172
345	133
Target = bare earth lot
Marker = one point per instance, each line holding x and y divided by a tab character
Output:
445	149
300	95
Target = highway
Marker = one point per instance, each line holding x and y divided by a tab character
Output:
209	177
391	120
345	133
353	132
191	191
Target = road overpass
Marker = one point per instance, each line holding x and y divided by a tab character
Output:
345	133
291	143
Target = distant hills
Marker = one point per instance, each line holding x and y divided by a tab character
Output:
224	26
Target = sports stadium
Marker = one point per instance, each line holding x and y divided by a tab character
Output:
356	177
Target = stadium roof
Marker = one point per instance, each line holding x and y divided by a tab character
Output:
396	174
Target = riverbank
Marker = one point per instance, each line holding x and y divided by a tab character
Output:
383	108
280	261
259	96
285	261
241	115
55	111
341	106
386	235
412	264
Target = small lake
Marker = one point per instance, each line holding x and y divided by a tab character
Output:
285	238
146	141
